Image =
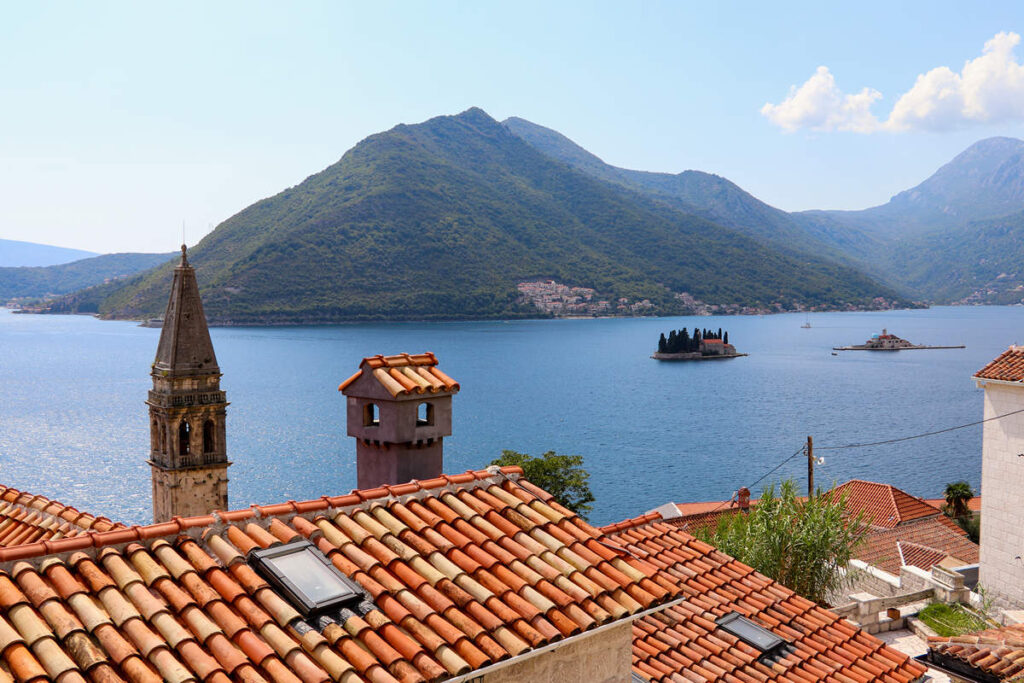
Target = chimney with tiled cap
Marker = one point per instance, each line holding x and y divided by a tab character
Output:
399	409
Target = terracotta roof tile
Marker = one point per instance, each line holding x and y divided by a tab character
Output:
467	572
460	572
996	653
26	518
1008	367
684	643
883	505
405	374
937	533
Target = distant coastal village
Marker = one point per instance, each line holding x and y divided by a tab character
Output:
564	301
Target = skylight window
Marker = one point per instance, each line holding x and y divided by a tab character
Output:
749	632
305	577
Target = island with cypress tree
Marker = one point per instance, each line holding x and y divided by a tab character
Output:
702	345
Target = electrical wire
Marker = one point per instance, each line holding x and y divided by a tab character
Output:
802	449
916	436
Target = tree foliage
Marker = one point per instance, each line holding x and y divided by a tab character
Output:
958	495
804	544
681	342
562	476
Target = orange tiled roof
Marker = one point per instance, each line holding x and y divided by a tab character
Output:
917	555
405	374
683	642
1008	367
463	571
974	504
27	518
997	652
938	533
883	505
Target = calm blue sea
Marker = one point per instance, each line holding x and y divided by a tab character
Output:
73	423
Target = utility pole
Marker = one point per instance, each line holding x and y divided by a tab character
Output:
810	468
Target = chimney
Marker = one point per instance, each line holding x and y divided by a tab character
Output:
399	409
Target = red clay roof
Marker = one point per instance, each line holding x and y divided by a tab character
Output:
1008	367
405	374
27	518
916	555
463	571
974	504
997	652
883	505
683	642
938	533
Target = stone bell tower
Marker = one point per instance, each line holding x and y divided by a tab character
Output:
188	453
399	409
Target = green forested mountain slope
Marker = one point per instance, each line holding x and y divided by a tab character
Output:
442	219
46	280
709	196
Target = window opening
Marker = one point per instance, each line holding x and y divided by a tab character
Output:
371	415
208	436
304	576
184	437
750	633
425	415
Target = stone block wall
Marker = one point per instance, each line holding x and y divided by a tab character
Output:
603	657
1002	487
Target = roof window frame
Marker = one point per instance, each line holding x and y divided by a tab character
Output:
262	561
751	633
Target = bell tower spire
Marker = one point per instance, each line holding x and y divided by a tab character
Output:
188	454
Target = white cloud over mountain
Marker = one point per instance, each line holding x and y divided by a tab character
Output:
989	89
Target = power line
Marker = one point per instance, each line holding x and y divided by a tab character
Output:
767	474
917	436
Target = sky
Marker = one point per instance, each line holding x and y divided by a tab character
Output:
122	122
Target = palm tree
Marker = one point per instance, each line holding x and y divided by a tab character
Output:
958	495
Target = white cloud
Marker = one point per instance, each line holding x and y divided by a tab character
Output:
989	89
819	104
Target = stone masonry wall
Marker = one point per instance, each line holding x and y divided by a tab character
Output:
600	658
1002	488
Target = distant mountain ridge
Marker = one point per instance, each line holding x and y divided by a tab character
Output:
42	281
442	219
15	253
709	196
984	181
952	238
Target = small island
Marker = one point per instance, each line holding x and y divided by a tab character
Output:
889	342
703	345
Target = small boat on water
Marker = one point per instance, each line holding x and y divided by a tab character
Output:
889	342
806	325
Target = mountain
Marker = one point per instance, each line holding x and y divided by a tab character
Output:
709	196
442	219
30	281
14	253
984	181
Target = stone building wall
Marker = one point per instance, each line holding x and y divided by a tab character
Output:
603	657
1002	501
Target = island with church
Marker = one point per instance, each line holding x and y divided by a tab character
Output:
702	345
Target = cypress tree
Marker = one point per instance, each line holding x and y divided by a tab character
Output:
719	333
726	338
662	343
684	337
672	342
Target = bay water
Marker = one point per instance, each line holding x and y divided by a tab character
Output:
73	423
